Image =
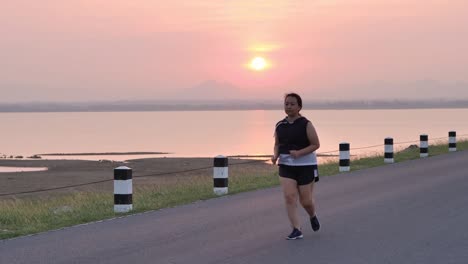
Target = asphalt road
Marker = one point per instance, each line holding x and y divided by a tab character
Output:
410	212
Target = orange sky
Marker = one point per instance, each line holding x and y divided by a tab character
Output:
80	50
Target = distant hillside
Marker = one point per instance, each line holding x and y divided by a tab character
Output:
128	106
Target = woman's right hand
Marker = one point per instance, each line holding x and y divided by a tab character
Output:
274	159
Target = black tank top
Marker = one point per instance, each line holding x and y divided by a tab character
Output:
292	136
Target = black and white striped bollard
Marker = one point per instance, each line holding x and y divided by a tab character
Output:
452	141
123	189
344	157
220	175
423	146
389	150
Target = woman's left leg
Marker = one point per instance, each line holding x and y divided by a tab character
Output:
306	198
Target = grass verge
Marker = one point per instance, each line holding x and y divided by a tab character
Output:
28	216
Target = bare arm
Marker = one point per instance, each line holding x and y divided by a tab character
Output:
314	143
275	150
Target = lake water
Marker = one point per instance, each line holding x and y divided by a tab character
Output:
210	133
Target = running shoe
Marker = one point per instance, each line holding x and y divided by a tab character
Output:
295	234
315	223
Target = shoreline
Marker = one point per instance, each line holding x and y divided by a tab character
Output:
41	156
68	176
103	153
227	105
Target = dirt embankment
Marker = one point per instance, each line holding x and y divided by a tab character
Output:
157	171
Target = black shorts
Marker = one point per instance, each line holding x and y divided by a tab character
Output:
301	174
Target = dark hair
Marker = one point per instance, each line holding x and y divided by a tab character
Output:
295	95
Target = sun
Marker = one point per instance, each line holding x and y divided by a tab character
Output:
258	64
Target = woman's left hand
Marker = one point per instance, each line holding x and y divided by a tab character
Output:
294	153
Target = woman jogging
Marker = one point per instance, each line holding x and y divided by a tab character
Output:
295	144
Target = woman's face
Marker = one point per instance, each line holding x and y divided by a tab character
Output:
291	107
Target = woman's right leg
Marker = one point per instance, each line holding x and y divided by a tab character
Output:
290	193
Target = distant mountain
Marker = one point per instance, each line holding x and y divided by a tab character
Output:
210	90
417	90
